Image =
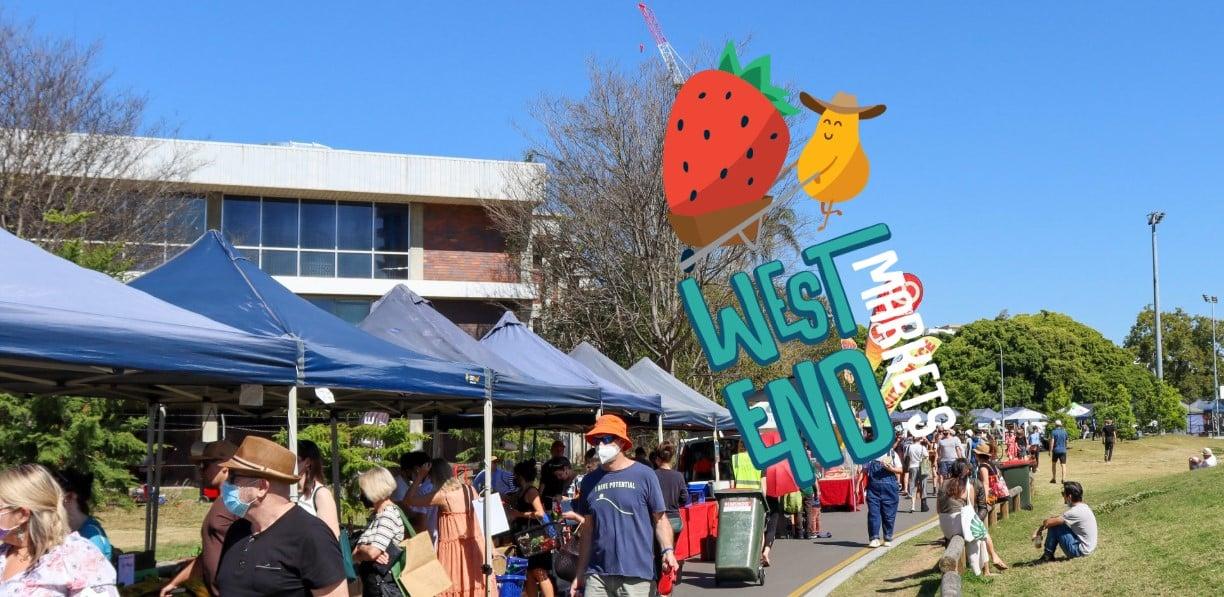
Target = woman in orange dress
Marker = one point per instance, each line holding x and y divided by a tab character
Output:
461	548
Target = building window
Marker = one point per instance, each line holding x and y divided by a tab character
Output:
321	239
352	310
185	221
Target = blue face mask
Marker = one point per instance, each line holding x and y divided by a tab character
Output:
232	500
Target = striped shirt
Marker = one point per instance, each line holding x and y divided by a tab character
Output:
385	529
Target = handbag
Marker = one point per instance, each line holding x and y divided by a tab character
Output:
565	556
535	539
999	489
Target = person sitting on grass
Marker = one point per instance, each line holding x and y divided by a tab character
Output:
1075	531
1207	461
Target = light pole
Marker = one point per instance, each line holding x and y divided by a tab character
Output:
1002	402
1215	372
1154	218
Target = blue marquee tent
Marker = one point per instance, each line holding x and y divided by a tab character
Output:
545	362
215	280
64	327
682	405
406	319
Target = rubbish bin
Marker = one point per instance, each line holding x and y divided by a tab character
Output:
1017	472
741	532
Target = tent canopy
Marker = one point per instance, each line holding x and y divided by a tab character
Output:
545	362
682	405
1078	411
405	319
66	329
1022	414
984	413
215	280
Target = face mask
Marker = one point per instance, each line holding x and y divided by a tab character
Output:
232	499
607	452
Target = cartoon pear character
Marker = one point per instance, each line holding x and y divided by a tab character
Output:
833	167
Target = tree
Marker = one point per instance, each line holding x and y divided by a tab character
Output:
1049	360
1186	349
1118	407
67	143
1056	405
595	226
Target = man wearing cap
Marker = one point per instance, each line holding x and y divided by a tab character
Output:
276	547
208	456
624	510
1058	451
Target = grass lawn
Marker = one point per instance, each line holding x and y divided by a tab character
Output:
1160	531
178	528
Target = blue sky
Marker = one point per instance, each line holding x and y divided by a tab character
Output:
1024	142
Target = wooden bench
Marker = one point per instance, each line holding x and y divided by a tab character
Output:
952	566
1003	509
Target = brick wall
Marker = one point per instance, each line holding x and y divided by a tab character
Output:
460	244
474	316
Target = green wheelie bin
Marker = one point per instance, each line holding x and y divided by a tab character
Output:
741	532
1018	474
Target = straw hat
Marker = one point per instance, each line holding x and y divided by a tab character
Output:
842	103
219	451
982	450
1207	452
266	459
610	425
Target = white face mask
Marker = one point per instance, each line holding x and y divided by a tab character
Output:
607	452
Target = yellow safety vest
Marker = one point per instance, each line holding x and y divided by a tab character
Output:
746	475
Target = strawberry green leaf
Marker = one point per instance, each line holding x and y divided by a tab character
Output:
756	73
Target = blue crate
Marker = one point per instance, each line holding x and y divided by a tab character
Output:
510	585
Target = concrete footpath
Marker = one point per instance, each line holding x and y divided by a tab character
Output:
799	565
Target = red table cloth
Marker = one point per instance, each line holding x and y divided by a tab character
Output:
839	493
700	521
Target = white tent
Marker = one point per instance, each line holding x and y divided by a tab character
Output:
1077	410
1023	415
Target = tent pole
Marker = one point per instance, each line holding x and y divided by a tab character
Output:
487	569
149	438
522	444
155	495
435	447
293	435
660	428
335	442
717	462
535	445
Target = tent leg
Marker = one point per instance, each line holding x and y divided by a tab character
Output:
435	445
660	429
335	460
487	569
535	444
149	439
522	443
155	492
717	461
293	434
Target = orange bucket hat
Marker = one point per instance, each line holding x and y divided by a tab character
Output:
610	425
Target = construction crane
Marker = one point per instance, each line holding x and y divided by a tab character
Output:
675	64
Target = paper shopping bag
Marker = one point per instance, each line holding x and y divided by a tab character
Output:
423	574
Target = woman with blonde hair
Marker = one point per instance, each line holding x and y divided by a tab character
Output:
39	555
461	544
378	548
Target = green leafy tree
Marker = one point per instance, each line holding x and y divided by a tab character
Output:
1056	405
1118	408
1186	345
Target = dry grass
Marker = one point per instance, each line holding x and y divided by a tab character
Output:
178	529
1159	531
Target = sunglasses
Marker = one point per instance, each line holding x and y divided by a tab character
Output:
605	439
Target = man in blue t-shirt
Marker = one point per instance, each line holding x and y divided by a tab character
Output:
1058	452
623	510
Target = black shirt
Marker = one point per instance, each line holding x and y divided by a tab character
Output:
295	555
1110	432
550	485
675	489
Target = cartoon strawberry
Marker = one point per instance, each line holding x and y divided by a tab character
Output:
725	144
